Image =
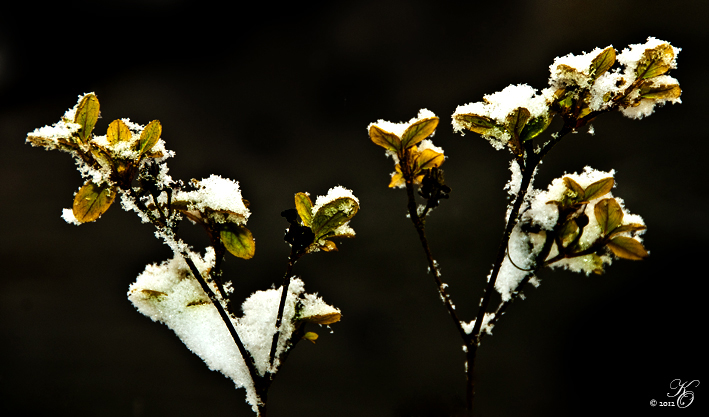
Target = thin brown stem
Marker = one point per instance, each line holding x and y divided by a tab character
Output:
281	306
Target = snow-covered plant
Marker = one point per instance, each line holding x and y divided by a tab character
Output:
188	292
577	223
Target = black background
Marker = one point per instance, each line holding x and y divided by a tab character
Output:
278	97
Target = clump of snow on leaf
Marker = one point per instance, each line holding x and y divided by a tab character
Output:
399	128
498	106
216	194
169	294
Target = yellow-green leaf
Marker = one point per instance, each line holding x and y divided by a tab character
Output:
628	248
332	215
238	240
328	246
323	319
655	61
397	178
661	92
535	127
482	125
574	187
633	227
599	189
86	116
428	158
516	121
418	131
310	336
387	140
608	214
92	201
602	63
118	132
304	206
569	231
149	137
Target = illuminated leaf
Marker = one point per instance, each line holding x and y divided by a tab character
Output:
397	178
516	121
602	63
608	214
332	215
387	140
628	248
328	246
633	227
310	336
479	124
568	232
574	187
118	132
156	295
655	61
92	201
149	137
535	127
418	131
598	189
304	206
238	240
661	92
86	116
323	319
428	158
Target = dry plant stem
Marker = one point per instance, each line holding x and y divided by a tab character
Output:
281	306
260	383
420	228
528	164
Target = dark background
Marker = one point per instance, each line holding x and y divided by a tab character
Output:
278	97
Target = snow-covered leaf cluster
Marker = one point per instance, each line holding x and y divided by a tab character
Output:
168	293
580	86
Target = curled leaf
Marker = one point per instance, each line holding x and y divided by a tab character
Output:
627	248
92	201
574	187
310	336
238	240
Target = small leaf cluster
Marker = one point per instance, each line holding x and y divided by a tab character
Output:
608	214
412	161
581	88
113	159
312	227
